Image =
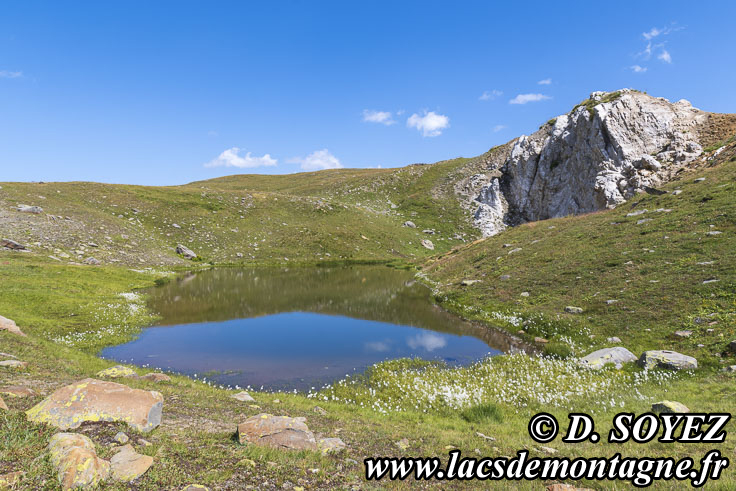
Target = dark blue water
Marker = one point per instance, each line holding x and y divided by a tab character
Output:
297	329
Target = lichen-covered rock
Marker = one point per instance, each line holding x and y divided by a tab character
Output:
128	465
10	326
76	461
573	310
667	359
97	400
615	356
118	371
331	445
17	391
595	157
669	407
277	432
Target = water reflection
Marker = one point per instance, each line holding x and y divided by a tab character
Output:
300	327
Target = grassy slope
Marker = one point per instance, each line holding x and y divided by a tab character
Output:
580	262
265	218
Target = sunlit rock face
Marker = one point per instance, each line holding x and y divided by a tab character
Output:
595	157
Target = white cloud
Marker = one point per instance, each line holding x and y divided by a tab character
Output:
665	56
9	74
427	341
382	117
212	133
489	95
524	98
380	346
652	33
430	124
499	127
230	158
318	160
546	81
638	69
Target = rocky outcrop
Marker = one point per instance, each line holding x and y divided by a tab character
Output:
95	401
185	251
595	157
10	326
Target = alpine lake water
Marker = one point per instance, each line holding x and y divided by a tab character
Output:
299	328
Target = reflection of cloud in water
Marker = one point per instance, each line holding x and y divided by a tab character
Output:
427	340
380	346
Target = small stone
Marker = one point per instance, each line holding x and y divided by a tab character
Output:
121	438
512	251
17	391
29	209
669	407
611	302
277	432
683	334
176	225
573	310
144	443
548	450
128	465
13	364
319	410
524	294
730	369
92	261
676	192
9	480
541	340
469	282
156	377
614	339
427	244
636	213
699	179
196	487
330	445
504	277
485	437
714	232
409	224
643	221
243	397
403	444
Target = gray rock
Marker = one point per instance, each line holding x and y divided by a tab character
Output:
121	438
331	445
669	407
683	334
611	302
614	339
573	310
615	356
185	251
92	261
588	160
29	209
243	397
671	360
469	282
11	244
428	244
410	224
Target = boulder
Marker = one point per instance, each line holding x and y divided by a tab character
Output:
128	465
9	325
185	251
573	310
428	244
277	432
11	244
243	397
616	356
76	461
118	371
29	209
667	359
669	407
410	224
17	391
331	445
13	364
156	377
97	400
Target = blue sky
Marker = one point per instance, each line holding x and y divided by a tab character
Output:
171	92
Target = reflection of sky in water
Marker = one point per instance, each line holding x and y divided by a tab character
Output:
290	350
